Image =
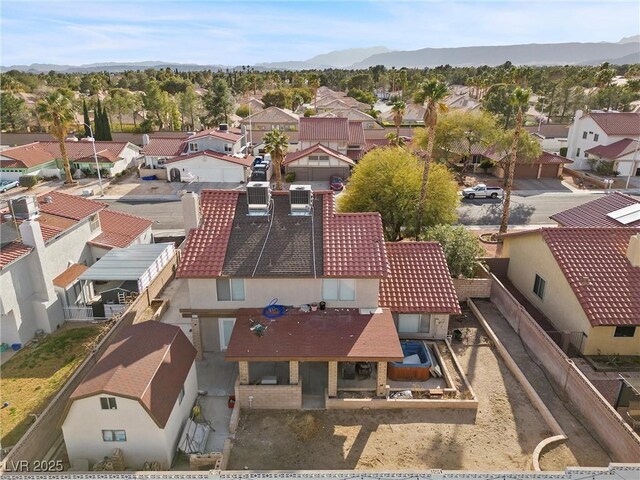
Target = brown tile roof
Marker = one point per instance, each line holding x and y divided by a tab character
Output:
12	252
375	143
550	130
69	206
293	156
614	150
333	334
102	156
164	147
244	161
356	133
315	129
353	244
148	362
26	156
214	132
617	123
76	150
548	158
54	222
594	262
119	229
70	275
206	247
594	213
355	155
419	280
272	115
350	113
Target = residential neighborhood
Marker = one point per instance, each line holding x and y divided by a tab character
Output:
418	261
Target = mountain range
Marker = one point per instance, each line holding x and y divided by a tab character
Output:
625	51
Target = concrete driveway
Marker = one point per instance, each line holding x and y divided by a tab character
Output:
541	184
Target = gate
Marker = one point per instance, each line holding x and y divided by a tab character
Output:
78	314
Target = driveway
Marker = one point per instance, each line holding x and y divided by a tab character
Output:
541	184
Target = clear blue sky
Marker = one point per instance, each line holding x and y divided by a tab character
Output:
236	32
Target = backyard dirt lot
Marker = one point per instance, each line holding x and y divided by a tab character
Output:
502	436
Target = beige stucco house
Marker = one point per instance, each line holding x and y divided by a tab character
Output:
585	280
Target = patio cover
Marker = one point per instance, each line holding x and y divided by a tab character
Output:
141	263
342	334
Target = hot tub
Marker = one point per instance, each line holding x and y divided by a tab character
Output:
411	372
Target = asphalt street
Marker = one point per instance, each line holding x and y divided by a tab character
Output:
534	209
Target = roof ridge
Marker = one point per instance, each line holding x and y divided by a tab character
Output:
161	362
115	212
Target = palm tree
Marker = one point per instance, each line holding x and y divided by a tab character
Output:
519	100
58	112
431	92
398	109
395	140
276	144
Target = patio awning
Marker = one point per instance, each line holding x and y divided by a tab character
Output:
141	263
342	334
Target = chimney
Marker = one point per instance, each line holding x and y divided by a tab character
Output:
31	234
633	250
145	140
223	127
190	211
578	115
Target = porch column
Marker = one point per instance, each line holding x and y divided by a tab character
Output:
196	336
243	372
332	387
293	373
382	379
539	171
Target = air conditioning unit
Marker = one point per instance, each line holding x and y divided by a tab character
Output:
24	207
87	192
258	198
301	200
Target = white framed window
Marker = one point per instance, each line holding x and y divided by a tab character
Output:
339	289
193	147
414	323
595	137
230	289
108	403
538	286
578	152
114	435
584	135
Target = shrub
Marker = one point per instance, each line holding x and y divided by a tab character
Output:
486	164
243	111
606	168
309	112
461	248
28	181
290	177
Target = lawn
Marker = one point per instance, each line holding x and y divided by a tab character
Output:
34	375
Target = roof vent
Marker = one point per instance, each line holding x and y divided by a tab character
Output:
47	199
258	198
301	200
24	208
223	127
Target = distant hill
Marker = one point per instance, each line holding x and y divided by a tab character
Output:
531	54
337	59
111	67
634	39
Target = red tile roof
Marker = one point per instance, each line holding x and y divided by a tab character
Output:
70	275
26	156
316	129
594	262
375	143
355	155
419	280
206	247
164	147
214	132
356	133
594	213
148	362
244	161
11	252
353	243
548	158
614	150
76	150
617	123
102	155
293	156
69	206
332	334
119	230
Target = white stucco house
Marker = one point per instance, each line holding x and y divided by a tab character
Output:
137	398
208	166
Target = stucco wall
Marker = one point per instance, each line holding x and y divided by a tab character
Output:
260	291
16	286
333	145
180	413
602	342
304	162
217	145
209	169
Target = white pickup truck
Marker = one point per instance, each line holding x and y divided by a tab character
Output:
482	191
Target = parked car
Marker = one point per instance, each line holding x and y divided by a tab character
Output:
482	191
336	184
256	161
259	173
7	185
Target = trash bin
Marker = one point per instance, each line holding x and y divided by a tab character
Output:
322	305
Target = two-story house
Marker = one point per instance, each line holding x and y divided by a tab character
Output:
157	150
344	295
599	128
46	242
137	398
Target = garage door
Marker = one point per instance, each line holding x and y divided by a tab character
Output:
210	333
319	174
528	170
549	171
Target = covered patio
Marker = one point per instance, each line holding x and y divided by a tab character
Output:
292	361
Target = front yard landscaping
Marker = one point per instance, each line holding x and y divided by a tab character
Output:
35	374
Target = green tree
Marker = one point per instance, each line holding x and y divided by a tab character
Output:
388	181
243	111
120	101
280	98
106	125
56	110
398	108
85	118
432	93
395	140
98	122
520	101
276	144
363	96
497	100
218	103
461	248
156	102
13	112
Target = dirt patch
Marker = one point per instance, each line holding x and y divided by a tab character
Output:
500	436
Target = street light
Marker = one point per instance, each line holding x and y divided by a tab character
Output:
95	157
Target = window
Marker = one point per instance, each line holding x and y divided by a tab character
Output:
538	286
181	396
627	332
114	435
76	291
577	153
319	160
584	135
414	323
230	289
193	147
595	137
108	403
94	222
339	289
228	147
